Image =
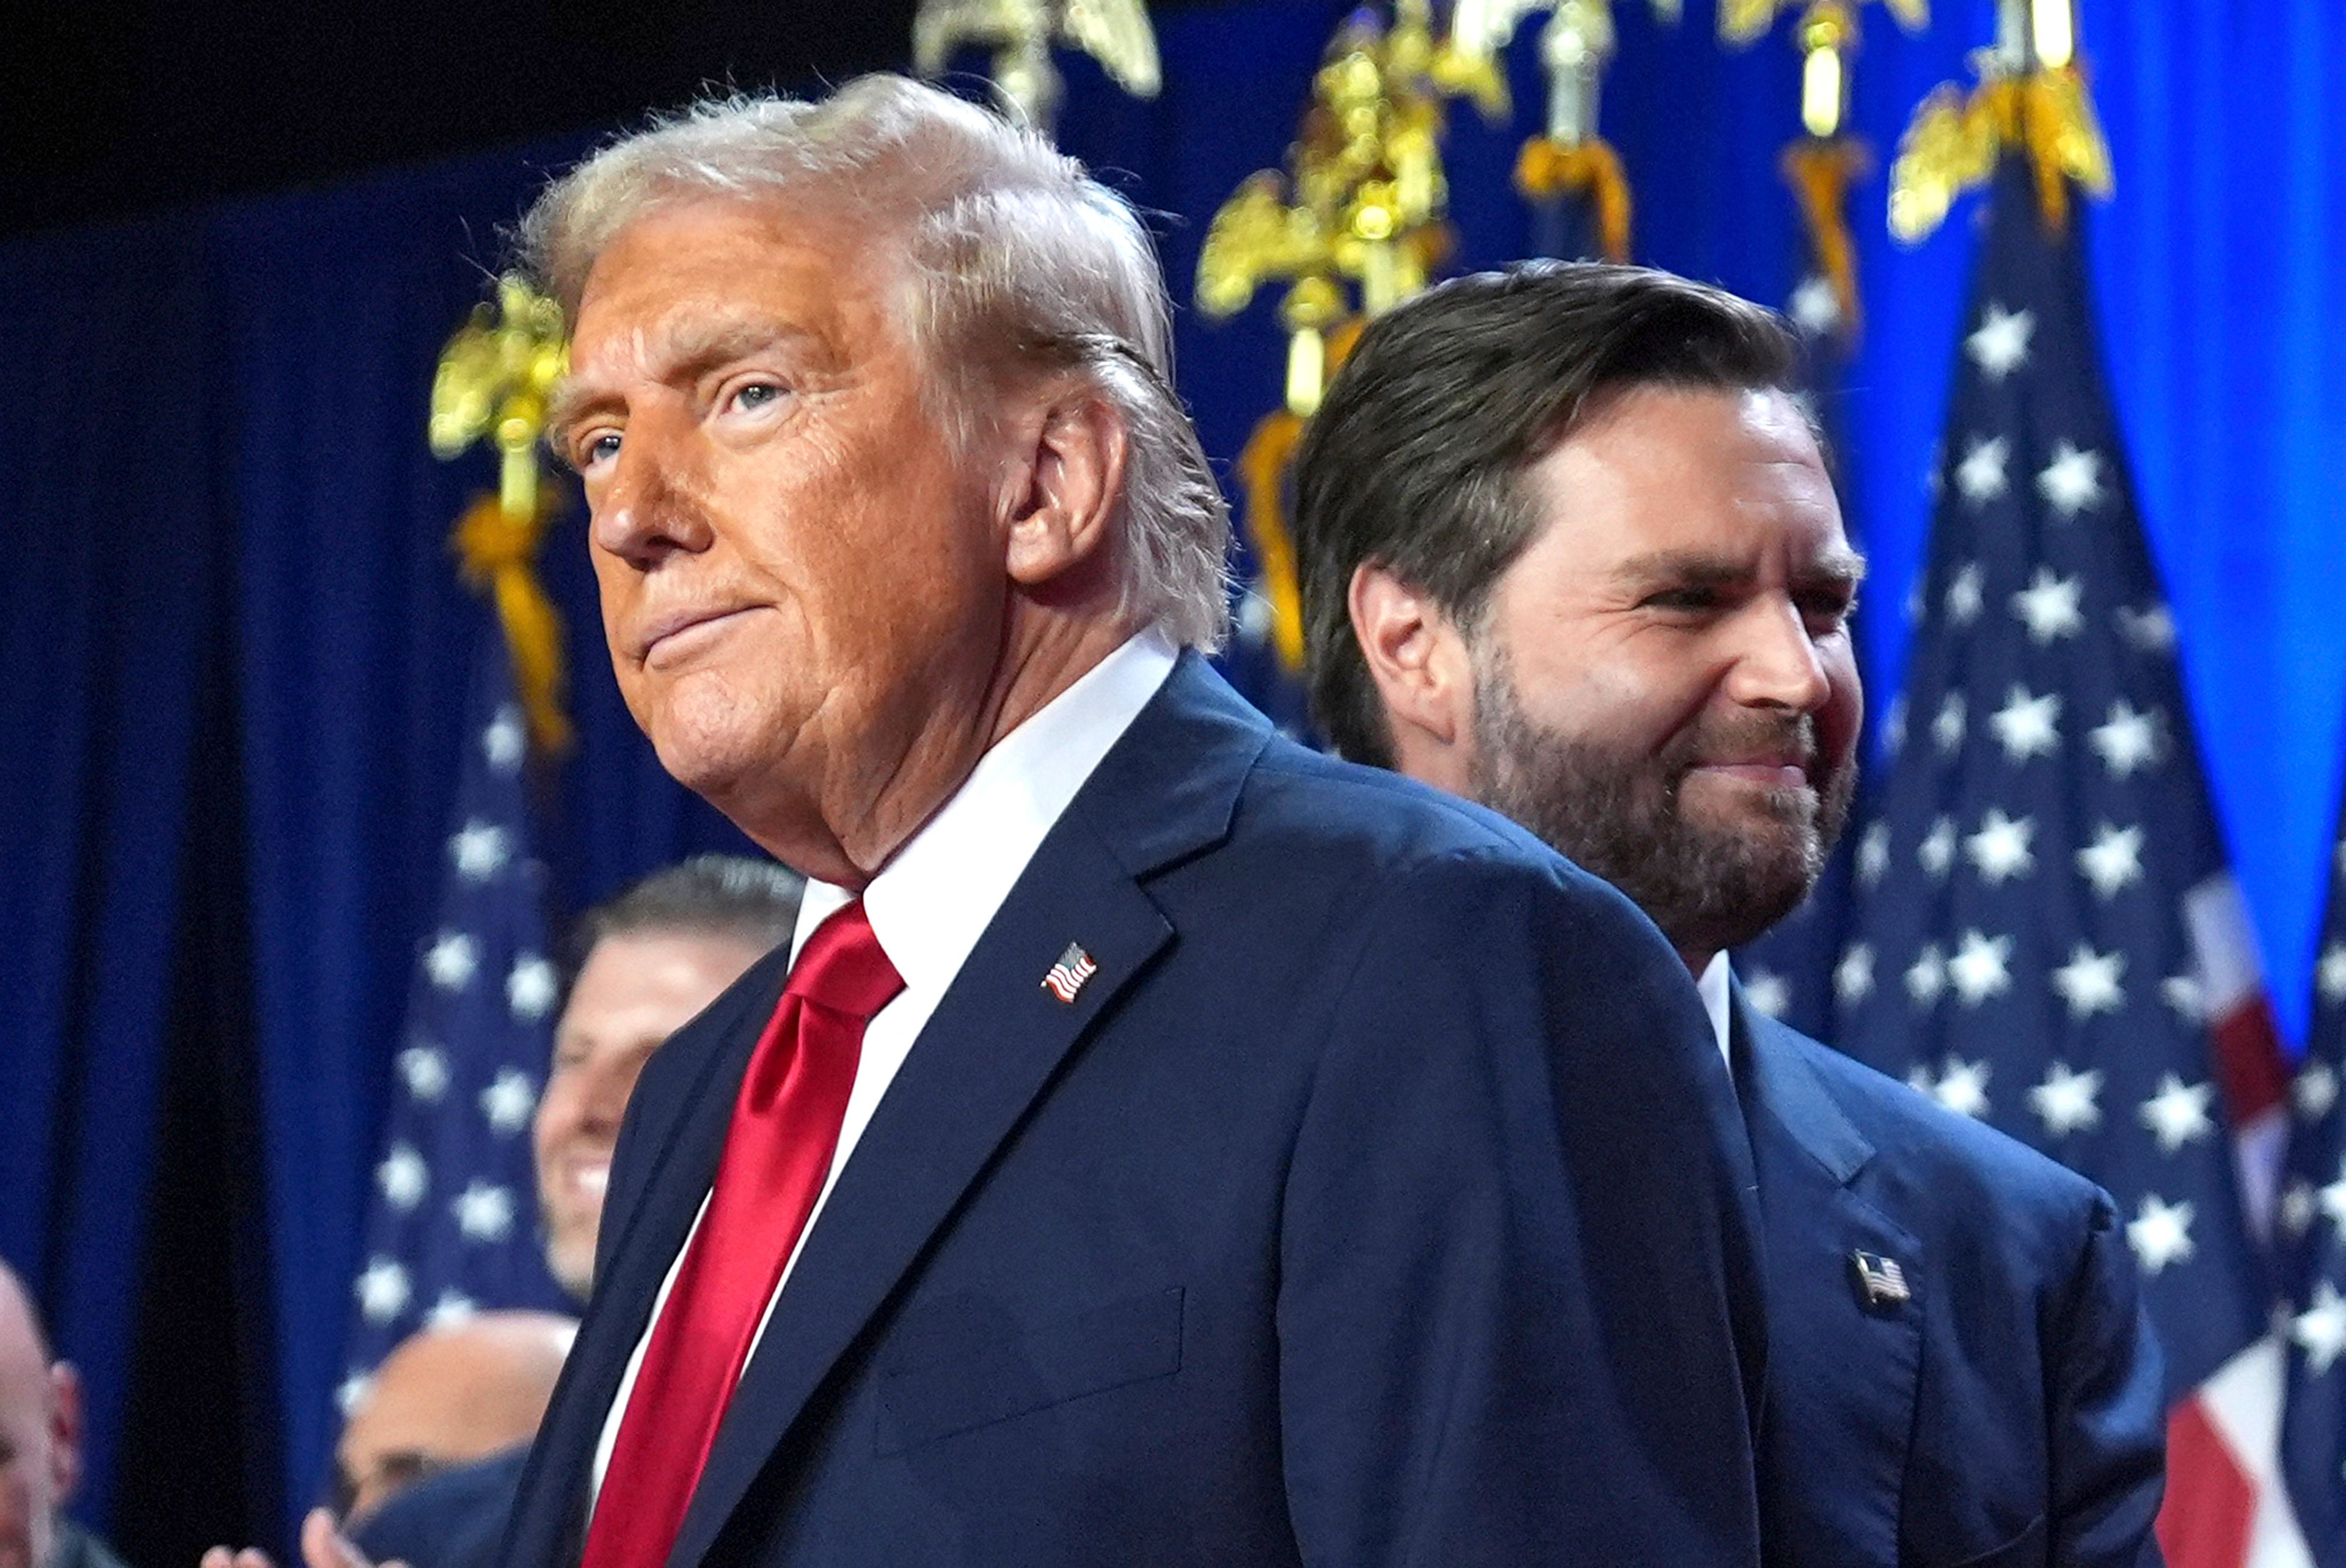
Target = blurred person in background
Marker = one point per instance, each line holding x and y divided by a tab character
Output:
40	1445
448	1395
643	964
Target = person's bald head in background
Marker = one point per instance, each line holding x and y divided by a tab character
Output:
448	1397
40	1432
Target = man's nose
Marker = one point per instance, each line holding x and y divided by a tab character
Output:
604	1100
645	511
1777	664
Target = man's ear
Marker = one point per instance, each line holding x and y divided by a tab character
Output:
1423	676
65	1429
1067	481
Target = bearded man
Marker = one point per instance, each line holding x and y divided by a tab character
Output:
1569	548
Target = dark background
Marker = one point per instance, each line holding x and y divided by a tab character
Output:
110	109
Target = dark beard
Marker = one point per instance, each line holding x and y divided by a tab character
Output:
1707	887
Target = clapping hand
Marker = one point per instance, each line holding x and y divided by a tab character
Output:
323	1545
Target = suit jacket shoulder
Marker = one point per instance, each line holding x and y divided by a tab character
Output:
1924	1145
452	1520
2000	1398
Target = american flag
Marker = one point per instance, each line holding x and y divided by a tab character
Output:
453	1223
2313	1250
1066	977
2046	936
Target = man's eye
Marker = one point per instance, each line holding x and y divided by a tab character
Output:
1832	611
757	396
598	448
1681	599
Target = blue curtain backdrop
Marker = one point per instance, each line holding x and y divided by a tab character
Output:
220	503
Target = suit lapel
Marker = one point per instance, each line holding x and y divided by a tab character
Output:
1843	1372
684	1104
1166	789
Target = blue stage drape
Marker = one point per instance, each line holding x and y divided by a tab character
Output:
116	573
215	423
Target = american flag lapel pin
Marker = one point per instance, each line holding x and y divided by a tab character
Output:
1880	1279
1066	977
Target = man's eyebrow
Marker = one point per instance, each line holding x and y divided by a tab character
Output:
682	354
569	402
1682	566
1841	565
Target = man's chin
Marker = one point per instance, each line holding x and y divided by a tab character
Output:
572	1264
712	764
1720	803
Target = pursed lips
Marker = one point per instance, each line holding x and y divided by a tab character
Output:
679	632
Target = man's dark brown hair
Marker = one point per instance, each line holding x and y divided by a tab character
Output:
1416	459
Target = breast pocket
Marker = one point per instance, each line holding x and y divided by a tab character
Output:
1129	1340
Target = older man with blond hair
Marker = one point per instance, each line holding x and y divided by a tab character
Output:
1159	1144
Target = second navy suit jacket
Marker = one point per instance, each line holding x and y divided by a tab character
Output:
452	1520
2009	1411
1381	1199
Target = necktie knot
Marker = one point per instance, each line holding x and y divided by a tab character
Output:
842	968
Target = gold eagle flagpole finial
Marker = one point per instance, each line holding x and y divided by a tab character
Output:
1020	34
1352	226
492	383
2032	99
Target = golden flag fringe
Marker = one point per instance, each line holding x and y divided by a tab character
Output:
1823	166
497	549
1263	466
1821	171
493	382
1569	158
1547	170
1955	142
1262	475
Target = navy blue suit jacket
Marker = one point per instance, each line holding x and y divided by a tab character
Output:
1381	1199
2009	1412
452	1520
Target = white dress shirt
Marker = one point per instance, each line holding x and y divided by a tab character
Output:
1714	984
932	901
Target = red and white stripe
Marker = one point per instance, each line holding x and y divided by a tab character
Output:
2226	1504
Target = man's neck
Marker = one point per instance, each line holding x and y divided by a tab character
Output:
1031	671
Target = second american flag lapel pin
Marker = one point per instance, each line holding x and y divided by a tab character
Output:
1066	977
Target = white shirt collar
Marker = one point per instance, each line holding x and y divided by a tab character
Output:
1714	983
929	904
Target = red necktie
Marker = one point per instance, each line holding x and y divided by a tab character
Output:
778	1151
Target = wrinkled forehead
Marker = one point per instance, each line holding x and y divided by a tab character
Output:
1727	471
818	243
694	286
